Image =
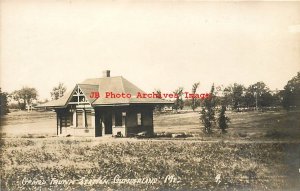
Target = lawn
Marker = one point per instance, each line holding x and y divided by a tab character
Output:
87	164
261	151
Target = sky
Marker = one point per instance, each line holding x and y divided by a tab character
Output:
155	45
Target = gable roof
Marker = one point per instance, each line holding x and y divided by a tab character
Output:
87	89
115	85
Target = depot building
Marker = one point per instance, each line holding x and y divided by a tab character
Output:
83	112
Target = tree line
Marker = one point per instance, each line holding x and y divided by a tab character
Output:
26	98
237	97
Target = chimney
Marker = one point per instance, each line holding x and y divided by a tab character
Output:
106	73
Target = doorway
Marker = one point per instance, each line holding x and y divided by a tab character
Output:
103	123
107	120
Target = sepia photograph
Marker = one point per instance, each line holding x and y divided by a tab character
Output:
149	95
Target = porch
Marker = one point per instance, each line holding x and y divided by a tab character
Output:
122	121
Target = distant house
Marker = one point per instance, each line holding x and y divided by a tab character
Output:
82	112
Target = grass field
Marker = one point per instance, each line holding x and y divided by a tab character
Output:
274	125
279	125
261	151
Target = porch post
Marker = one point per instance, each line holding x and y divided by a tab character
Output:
83	118
74	119
93	117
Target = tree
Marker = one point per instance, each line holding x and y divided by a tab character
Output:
234	95
178	104
195	101
277	97
223	120
208	112
25	96
291	93
3	103
58	91
187	102
158	107
267	99
258	95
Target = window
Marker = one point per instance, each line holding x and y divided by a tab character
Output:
81	99
88	118
123	118
119	119
65	121
139	119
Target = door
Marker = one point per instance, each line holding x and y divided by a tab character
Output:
108	123
98	126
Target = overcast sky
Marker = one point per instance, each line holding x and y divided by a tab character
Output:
154	45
